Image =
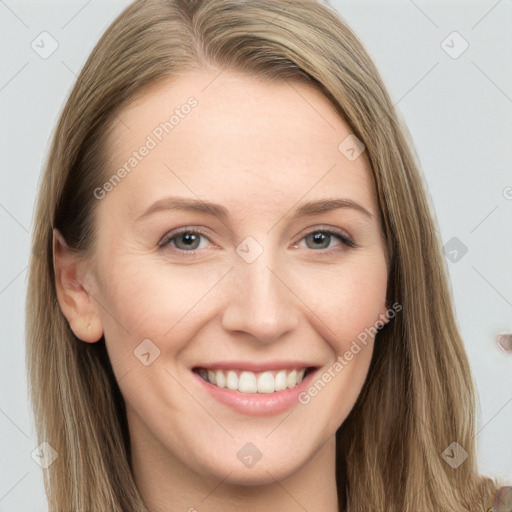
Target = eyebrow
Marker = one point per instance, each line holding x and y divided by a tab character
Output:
197	205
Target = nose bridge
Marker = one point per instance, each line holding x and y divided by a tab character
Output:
259	302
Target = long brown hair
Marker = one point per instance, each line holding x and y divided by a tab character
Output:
419	395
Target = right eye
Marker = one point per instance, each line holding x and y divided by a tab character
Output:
184	240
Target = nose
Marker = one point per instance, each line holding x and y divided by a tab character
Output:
260	301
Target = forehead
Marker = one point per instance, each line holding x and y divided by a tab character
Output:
224	136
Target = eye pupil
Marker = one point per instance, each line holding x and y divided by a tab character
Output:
319	238
187	239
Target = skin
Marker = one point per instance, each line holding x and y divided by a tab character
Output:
260	149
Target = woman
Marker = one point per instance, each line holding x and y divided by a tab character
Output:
260	370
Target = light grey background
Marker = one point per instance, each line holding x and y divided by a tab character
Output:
459	113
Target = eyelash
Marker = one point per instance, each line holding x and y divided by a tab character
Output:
164	244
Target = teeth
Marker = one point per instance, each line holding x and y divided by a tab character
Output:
231	380
280	381
221	379
249	382
266	383
291	379
211	377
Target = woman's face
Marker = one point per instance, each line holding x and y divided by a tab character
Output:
257	292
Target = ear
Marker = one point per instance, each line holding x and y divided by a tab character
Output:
384	318
75	302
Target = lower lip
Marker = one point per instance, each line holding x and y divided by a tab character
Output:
257	404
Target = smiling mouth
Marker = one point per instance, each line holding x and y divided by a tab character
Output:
266	382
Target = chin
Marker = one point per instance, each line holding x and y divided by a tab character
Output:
238	475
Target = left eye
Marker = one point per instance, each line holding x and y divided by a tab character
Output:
190	241
321	238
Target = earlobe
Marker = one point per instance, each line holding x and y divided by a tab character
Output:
75	301
384	315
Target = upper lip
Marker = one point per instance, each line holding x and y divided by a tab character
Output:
255	367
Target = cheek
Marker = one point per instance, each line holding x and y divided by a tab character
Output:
347	300
146	297
143	298
347	307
